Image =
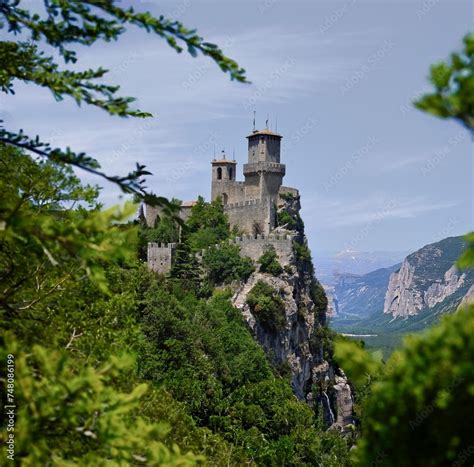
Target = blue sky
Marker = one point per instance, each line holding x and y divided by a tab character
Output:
337	78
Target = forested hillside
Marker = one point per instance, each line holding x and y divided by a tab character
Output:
123	363
105	364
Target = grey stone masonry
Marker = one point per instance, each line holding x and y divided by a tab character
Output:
254	246
161	257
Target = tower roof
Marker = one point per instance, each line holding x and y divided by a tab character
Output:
265	131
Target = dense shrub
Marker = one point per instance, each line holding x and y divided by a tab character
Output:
267	306
292	222
269	261
318	295
284	218
419	403
303	256
224	264
207	225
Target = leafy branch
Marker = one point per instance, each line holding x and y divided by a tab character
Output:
453	96
65	23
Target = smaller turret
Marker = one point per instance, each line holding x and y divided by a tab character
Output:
223	175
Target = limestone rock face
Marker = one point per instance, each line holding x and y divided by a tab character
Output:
296	344
428	280
402	297
291	344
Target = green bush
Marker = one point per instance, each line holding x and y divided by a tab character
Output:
269	262
287	196
70	414
318	295
303	256
284	218
224	264
207	225
267	306
420	403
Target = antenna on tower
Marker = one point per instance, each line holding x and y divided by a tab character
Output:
254	120
214	152
223	154
276	124
233	154
266	123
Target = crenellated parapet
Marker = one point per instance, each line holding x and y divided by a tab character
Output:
254	246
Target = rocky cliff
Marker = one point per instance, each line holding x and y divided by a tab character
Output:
300	342
358	296
427	280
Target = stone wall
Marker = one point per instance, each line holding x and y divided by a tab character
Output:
249	214
229	191
253	246
160	257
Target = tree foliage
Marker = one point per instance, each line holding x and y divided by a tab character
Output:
269	262
417	403
207	225
224	264
453	96
78	416
267	306
56	29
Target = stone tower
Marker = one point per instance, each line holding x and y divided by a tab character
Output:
251	205
223	178
263	173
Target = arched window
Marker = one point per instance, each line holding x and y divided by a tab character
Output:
231	173
219	173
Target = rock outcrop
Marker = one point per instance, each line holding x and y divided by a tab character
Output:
299	343
427	279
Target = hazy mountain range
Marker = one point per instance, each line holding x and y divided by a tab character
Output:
404	297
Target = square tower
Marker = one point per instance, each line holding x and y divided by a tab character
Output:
224	179
263	173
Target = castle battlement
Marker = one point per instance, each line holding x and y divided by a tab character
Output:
162	246
243	204
259	237
250	205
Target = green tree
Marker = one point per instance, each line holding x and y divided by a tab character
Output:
225	265
70	415
269	262
54	30
417	403
267	306
207	225
453	96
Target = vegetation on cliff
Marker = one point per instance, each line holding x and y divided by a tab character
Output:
124	365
